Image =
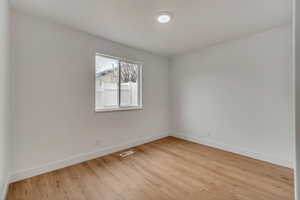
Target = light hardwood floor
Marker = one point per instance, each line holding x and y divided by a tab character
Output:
165	169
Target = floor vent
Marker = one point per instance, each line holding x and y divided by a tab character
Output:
126	153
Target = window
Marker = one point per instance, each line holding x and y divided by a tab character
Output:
118	84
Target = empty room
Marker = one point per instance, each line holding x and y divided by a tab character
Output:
149	100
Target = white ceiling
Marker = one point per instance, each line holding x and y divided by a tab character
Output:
196	23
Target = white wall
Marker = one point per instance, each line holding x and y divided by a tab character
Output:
235	95
53	92
296	21
238	96
4	95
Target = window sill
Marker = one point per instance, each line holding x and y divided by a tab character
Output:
119	109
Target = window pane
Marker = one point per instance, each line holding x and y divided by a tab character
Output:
129	87
107	81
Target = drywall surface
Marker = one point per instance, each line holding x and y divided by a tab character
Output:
297	94
238	96
4	96
53	92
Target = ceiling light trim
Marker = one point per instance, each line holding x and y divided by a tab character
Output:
164	17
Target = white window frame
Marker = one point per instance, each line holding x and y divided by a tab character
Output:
140	85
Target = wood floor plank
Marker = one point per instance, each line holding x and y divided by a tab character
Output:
166	169
239	175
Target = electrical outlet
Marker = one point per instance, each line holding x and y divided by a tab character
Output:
208	134
98	142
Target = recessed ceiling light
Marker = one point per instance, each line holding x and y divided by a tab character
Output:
164	17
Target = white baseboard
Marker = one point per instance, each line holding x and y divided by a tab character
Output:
237	150
4	191
20	175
